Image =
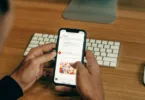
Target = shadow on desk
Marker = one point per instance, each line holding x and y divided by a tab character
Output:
47	82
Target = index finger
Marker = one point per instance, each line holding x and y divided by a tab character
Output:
90	58
38	51
92	64
81	70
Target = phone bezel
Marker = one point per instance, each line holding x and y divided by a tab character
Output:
83	51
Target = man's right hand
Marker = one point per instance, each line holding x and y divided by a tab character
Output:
88	79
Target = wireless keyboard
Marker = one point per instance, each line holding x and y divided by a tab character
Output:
106	52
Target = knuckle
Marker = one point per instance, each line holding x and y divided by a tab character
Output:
81	71
32	62
33	49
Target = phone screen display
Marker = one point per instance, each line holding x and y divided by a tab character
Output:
70	49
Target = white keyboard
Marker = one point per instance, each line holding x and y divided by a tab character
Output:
106	52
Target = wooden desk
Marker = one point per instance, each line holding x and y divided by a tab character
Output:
45	16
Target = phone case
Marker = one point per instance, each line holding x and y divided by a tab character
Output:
84	45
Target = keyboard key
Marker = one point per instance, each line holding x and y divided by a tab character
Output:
40	39
106	52
46	39
97	53
109	50
28	49
110	42
115	47
35	38
85	60
34	42
103	54
37	35
90	48
41	43
117	43
112	55
52	40
51	36
32	45
100	62
55	41
109	59
96	49
47	42
94	45
99	58
106	63
98	41
100	45
26	53
88	44
55	36
104	42
113	64
102	50
92	40
116	51
107	46
45	35
87	40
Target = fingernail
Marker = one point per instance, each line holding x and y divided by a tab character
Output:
54	53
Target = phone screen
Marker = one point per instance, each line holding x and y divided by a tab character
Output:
70	49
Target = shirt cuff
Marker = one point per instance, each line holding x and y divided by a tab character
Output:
10	88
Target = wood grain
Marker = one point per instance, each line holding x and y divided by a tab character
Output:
45	16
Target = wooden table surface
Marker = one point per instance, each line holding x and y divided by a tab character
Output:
45	16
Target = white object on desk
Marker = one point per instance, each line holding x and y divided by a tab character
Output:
106	52
144	76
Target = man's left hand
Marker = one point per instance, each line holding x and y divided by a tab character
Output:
32	66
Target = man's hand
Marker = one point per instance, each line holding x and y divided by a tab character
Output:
32	67
88	79
89	84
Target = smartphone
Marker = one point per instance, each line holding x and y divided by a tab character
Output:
71	45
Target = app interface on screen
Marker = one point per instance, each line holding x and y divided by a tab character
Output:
70	50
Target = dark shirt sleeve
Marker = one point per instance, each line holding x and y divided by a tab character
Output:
4	6
9	89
